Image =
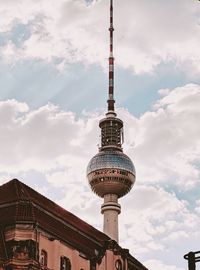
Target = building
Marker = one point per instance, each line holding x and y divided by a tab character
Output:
35	233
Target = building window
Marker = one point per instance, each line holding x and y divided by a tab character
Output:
43	257
65	263
118	265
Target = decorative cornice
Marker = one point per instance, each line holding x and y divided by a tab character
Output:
111	245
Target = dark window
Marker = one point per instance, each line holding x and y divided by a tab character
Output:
118	265
65	263
43	257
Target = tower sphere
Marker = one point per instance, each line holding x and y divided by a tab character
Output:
111	172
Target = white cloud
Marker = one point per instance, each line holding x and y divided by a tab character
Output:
31	137
156	264
167	141
72	31
198	206
164	144
156	220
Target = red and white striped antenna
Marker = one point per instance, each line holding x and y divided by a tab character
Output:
111	100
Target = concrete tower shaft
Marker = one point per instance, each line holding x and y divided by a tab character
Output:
111	209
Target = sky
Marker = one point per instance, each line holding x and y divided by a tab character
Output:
53	91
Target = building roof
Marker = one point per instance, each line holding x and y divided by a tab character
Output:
21	204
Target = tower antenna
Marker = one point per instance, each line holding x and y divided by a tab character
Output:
111	100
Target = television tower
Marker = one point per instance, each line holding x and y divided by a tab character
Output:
111	173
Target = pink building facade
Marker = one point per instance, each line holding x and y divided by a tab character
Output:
35	233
